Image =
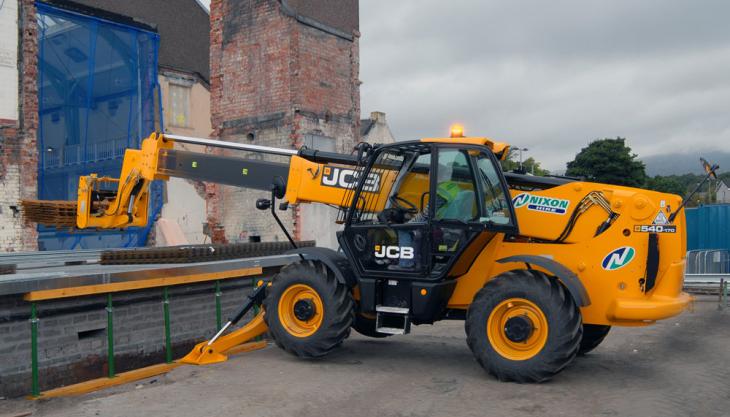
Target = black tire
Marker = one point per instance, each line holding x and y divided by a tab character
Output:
559	311
366	327
335	298
593	335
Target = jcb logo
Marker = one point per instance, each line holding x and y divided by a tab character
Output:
346	178
394	252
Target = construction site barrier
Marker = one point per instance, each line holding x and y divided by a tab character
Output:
109	289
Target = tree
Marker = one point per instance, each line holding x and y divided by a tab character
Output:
666	185
529	166
608	161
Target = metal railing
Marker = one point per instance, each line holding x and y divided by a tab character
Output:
75	154
707	271
713	261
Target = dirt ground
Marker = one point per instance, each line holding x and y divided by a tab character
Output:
679	367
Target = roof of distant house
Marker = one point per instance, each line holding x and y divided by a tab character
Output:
365	126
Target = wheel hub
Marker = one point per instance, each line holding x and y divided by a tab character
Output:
304	309
518	328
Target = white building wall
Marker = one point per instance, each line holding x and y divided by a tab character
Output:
9	59
184	207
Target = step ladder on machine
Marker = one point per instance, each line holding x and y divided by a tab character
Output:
392	320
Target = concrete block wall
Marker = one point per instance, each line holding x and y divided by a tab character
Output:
72	338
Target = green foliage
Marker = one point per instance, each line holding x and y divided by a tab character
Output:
684	184
608	161
666	185
529	165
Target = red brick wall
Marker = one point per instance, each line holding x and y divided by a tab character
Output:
278	79
18	146
250	51
324	80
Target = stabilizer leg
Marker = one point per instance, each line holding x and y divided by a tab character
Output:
213	351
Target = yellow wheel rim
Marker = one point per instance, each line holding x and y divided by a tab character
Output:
290	304
525	311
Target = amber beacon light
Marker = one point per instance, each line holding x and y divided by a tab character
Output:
457	131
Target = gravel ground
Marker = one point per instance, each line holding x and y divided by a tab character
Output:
679	367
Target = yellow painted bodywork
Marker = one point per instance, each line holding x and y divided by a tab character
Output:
205	354
616	296
498	148
139	167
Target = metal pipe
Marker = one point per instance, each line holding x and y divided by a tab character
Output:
110	334
220	332
256	311
166	312
232	145
35	386
218	314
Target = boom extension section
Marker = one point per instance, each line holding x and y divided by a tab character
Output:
104	202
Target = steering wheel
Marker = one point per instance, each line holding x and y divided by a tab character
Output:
403	204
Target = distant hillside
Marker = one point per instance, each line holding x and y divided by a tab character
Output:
678	164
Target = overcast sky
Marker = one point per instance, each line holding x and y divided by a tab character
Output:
552	75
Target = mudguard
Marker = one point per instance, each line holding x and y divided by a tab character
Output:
335	261
565	275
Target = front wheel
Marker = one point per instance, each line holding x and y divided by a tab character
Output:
308	312
523	326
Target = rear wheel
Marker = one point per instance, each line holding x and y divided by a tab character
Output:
523	326
593	335
308	311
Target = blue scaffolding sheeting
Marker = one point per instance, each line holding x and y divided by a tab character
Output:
96	85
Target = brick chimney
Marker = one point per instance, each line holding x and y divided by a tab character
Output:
283	73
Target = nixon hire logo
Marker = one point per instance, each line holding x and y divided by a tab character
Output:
618	258
540	203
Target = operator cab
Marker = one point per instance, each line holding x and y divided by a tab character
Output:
422	211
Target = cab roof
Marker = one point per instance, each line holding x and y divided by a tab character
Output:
500	149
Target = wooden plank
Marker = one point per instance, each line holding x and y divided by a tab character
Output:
162	281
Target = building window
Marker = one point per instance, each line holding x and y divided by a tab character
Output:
179	105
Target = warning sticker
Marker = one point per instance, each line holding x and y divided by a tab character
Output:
660	218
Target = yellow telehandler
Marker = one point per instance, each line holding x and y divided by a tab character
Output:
539	268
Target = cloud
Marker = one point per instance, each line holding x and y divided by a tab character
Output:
551	76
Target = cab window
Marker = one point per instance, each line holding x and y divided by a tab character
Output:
456	197
495	207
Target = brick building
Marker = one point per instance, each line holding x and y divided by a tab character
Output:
83	66
18	120
284	73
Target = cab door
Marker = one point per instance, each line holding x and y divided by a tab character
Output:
387	233
471	206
